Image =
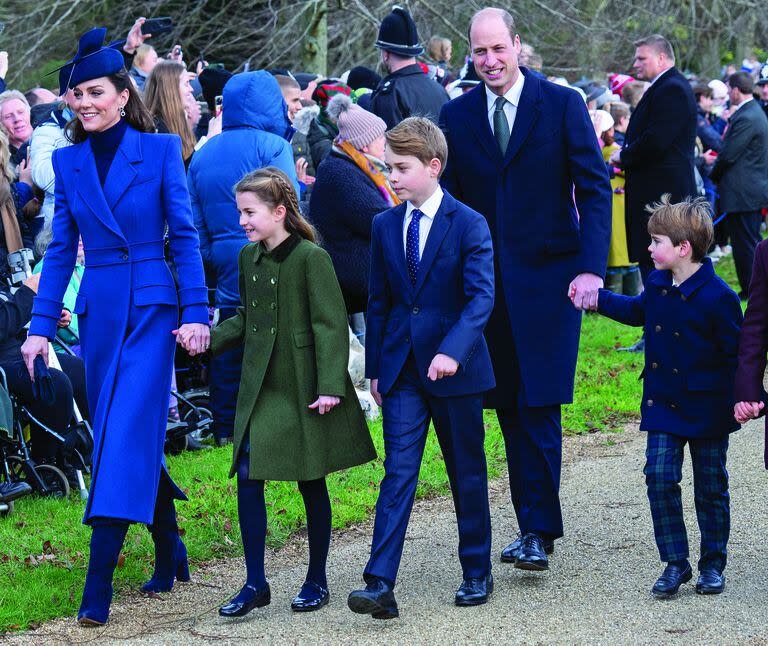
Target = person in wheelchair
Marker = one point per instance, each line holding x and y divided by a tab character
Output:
68	383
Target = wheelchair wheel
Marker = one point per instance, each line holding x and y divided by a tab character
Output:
55	480
201	399
6	509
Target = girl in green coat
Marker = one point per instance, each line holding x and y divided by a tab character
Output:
298	417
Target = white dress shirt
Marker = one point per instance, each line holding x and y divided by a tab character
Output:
738	107
510	107
660	75
429	209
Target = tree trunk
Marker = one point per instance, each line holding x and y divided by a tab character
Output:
315	49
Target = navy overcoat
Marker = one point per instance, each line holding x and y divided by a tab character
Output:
128	305
691	344
548	206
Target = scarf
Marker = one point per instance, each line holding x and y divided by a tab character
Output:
369	167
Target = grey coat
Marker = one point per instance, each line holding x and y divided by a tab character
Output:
741	169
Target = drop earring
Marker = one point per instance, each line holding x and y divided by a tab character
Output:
122	111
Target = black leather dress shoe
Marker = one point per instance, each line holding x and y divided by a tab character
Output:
377	600
510	553
710	582
532	556
246	600
311	597
670	581
475	592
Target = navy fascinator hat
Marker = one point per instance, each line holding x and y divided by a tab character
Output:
92	60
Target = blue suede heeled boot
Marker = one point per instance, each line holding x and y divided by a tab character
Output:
170	552
106	543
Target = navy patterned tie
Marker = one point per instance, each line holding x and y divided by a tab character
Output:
412	245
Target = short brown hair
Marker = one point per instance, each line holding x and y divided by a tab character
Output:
287	82
506	17
742	82
689	220
420	138
702	89
658	44
618	111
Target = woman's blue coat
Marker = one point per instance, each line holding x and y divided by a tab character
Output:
128	305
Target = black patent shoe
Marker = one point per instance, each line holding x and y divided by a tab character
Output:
670	581
377	600
532	556
710	582
512	551
311	597
246	600
474	592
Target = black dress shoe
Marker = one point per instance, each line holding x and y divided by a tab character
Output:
710	582
10	491
246	600
510	553
377	600
311	597
670	581
532	556
475	592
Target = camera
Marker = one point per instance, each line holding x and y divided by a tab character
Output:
20	264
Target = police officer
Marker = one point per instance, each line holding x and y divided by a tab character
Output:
762	87
407	90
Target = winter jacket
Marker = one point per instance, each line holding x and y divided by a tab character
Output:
255	133
46	138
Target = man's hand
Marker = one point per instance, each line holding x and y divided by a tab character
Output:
3	64
25	172
375	391
301	172
745	411
583	291
135	38
442	366
615	158
65	319
325	403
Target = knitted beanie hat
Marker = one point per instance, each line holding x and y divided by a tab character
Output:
356	125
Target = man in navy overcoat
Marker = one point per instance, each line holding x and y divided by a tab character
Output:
530	163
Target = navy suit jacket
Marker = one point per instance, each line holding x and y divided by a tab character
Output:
444	312
548	206
691	343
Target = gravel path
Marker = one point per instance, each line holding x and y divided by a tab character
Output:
597	590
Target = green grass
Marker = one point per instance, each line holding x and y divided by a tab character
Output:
44	547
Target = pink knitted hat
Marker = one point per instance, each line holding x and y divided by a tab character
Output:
356	125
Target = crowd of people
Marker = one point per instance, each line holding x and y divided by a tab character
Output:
457	219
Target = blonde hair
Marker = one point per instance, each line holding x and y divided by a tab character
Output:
273	187
142	51
438	49
689	220
12	234
163	99
418	137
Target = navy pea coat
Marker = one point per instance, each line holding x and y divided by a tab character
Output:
127	306
691	346
548	206
444	312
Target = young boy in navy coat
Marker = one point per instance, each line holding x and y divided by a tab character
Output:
430	296
691	320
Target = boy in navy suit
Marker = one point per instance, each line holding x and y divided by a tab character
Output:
430	296
692	321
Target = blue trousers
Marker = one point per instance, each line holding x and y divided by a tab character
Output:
224	384
533	442
663	473
458	421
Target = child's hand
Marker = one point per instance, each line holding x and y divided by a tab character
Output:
442	366
325	403
375	391
745	411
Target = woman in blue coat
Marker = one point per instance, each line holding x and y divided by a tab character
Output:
119	187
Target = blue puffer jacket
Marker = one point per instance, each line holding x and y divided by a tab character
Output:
255	133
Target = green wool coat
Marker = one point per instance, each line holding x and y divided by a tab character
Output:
293	323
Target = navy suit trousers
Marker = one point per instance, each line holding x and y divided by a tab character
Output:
458	421
534	445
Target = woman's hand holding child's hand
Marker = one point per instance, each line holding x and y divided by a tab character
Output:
745	411
585	305
195	338
325	403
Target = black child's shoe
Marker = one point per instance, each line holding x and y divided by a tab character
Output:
377	600
671	579
246	600
312	596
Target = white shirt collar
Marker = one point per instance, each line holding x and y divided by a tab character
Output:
744	102
660	75
512	94
431	204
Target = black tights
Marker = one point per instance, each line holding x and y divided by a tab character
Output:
253	524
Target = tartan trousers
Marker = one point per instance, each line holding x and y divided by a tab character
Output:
663	473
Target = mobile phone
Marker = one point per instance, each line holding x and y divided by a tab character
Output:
219	103
157	26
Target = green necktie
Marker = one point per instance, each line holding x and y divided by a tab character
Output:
500	125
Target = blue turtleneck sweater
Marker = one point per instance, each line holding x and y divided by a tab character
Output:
104	145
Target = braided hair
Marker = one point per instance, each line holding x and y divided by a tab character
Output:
273	187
